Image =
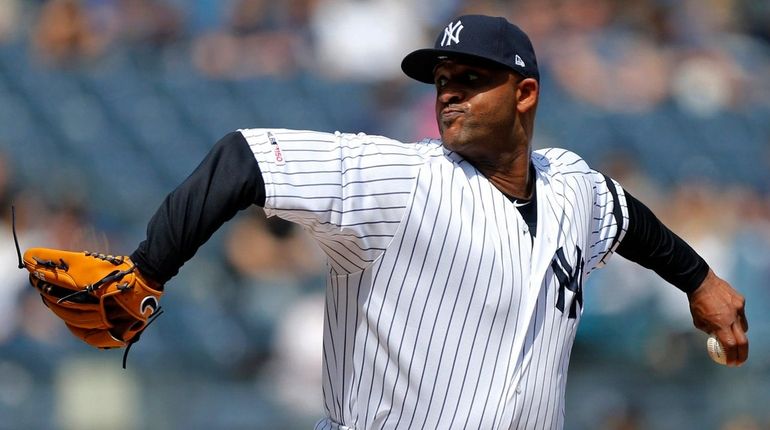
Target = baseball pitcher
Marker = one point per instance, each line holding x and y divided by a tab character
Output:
456	266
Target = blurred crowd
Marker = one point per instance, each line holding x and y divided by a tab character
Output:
245	318
620	55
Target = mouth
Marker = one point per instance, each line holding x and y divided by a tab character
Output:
451	113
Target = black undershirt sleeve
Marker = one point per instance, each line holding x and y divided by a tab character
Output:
651	244
227	181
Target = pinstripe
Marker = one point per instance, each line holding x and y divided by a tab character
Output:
331	360
441	301
363	348
348	211
451	317
488	337
400	291
501	405
546	343
422	315
411	303
348	234
448	326
351	183
435	322
538	363
379	315
526	400
345	341
558	345
477	325
501	250
332	253
354	387
332	197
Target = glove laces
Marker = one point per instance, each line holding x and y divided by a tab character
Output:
135	339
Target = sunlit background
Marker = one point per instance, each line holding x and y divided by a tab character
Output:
106	105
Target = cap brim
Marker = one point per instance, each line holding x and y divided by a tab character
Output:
419	64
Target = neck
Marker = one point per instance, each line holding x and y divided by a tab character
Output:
510	175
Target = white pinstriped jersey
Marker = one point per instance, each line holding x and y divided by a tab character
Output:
441	311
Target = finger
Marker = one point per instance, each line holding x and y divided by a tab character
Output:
741	344
743	320
729	346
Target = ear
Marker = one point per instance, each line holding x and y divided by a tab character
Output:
527	93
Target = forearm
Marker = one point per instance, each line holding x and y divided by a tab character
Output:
651	244
227	181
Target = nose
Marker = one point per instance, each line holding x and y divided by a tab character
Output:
450	94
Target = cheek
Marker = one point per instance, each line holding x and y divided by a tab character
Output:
499	111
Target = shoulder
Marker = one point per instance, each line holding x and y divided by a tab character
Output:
425	147
350	147
558	160
426	151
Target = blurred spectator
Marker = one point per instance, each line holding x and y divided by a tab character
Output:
150	23
260	38
276	264
64	34
272	248
295	369
622	73
741	422
364	40
10	17
705	84
413	122
603	64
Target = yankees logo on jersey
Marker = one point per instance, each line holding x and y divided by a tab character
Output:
437	294
569	279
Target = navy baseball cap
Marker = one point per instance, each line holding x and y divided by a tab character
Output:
477	38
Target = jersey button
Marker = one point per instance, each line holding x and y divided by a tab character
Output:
518	389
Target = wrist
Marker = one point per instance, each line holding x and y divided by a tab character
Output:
145	279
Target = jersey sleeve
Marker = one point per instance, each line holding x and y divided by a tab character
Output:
348	191
609	221
596	202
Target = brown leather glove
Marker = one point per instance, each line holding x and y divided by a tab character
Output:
102	299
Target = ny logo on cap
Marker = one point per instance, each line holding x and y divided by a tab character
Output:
452	33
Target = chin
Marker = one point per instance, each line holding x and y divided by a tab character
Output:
453	133
449	139
452	142
449	143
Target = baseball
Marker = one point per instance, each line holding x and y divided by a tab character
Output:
716	352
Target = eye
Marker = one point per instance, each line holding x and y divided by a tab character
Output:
441	82
471	76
